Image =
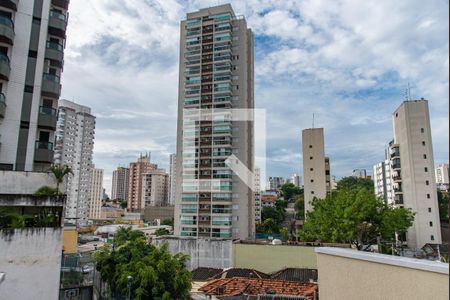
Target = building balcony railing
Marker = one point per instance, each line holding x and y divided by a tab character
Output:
50	85
6	30
11	4
398	190
2	105
396	178
57	24
43	152
47	117
61	3
55	51
398	199
396	166
5	68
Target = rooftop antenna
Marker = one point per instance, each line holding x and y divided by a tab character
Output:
408	92
313	121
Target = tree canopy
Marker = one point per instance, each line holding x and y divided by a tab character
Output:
354	183
156	274
290	190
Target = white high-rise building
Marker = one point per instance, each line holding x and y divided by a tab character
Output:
96	194
172	178
359	173
155	188
32	39
412	171
316	167
295	179
216	75
119	188
274	183
382	181
442	177
74	147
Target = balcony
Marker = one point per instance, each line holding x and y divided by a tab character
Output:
2	105
47	117
398	199
5	69
57	24
6	30
54	51
43	152
61	3
11	4
51	86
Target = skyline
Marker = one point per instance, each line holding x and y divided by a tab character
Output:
125	67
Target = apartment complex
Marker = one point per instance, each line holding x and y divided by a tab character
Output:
172	177
155	184
119	189
274	183
32	39
96	194
135	179
382	180
216	77
316	167
74	146
295	180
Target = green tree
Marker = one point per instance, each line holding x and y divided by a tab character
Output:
299	206
168	222
272	213
161	231
354	183
46	191
443	201
60	171
284	234
290	190
156	274
123	204
269	226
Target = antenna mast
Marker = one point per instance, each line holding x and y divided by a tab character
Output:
313	121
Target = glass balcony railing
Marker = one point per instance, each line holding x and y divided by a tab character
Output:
47	111
4	58
6	21
44	145
51	77
189	210
221	223
57	15
55	46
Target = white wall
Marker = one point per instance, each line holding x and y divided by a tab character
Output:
31	259
15	182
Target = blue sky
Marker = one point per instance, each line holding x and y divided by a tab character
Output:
348	62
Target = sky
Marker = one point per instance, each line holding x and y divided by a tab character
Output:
348	62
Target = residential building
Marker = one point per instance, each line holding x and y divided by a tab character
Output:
412	171
96	194
172	177
442	177
74	146
156	214
382	181
155	188
274	183
135	179
295	179
333	183
30	256
359	173
316	167
268	200
119	188
216	73
32	39
257	193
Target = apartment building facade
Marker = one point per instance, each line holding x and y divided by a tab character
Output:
382	181
442	177
74	146
119	188
316	167
216	77
274	183
96	194
135	179
172	178
32	39
155	185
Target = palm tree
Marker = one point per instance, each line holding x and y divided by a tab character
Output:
60	171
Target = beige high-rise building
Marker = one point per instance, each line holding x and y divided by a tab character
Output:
96	194
442	174
136	171
412	171
216	74
119	188
316	167
155	188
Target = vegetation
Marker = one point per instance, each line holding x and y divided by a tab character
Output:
272	218
161	231
443	202
353	214
156	274
60	171
168	222
290	191
46	191
123	204
299	206
11	218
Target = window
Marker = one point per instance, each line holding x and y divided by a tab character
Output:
310	146
312	180
426	169
429	209
428	196
431	224
311	169
423	143
427	182
424	156
396	115
312	192
310	157
432	237
422	130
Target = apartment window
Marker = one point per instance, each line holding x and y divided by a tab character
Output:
429	209
432	237
312	180
312	192
396	115
310	157
426	169
427	182
431	224
311	169
424	156
423	143
422	130
310	146
428	196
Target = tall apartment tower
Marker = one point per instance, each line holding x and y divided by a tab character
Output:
216	76
274	183
295	180
412	165
155	184
257	193
442	177
382	181
316	167
172	182
74	147
96	194
135	178
32	39
119	189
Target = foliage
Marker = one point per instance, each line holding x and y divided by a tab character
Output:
354	183
353	214
161	231
60	171
123	204
290	190
284	234
168	222
156	274
443	201
299	206
46	191
268	226
12	219
71	278
272	213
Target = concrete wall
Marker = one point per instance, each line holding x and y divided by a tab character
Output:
31	259
351	274
158	212
70	240
271	258
16	182
203	252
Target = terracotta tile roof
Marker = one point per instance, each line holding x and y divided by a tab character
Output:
296	274
241	272
202	274
253	287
